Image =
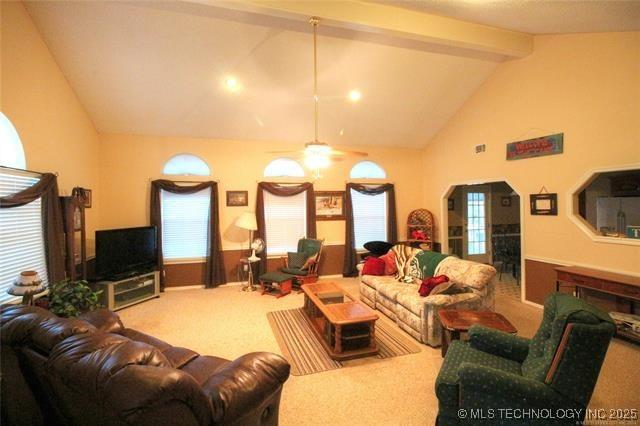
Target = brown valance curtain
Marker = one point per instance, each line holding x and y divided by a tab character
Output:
47	189
283	190
214	270
350	256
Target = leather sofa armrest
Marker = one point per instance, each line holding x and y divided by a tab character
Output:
244	384
509	390
498	343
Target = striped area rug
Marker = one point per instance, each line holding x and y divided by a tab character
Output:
306	354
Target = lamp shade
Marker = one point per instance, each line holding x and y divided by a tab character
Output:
247	220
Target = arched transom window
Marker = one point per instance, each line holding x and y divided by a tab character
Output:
186	164
283	167
368	170
11	151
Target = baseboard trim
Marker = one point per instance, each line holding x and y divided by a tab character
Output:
183	287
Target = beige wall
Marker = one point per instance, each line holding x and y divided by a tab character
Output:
127	162
56	132
586	86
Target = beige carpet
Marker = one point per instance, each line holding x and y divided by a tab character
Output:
304	351
228	323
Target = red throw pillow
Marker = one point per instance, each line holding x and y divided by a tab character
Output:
390	266
428	284
373	266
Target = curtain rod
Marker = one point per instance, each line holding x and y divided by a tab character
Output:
27	171
283	182
186	181
370	182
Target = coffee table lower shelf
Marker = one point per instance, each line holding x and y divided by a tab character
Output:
346	339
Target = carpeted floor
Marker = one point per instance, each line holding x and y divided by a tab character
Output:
228	323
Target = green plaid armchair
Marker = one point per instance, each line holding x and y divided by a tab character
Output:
556	370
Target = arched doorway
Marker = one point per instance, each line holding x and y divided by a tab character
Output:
482	222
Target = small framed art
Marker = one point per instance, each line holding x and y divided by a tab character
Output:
544	204
330	205
237	198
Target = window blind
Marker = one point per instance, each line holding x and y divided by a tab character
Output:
369	218
185	224
21	233
286	221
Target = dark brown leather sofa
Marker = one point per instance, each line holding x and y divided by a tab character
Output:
93	370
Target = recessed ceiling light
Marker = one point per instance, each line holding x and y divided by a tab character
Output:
232	84
355	95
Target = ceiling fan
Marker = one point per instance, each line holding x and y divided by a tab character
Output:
317	154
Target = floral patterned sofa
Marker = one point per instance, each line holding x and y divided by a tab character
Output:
417	315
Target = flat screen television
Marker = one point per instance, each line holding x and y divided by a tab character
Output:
125	252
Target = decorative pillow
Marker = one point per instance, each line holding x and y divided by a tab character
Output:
390	267
373	266
377	248
309	261
296	260
430	285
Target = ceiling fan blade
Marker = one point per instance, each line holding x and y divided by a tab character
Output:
284	152
356	153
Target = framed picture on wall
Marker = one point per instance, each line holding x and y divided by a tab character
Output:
505	201
329	205
544	204
237	198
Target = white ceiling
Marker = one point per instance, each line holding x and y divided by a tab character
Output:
536	16
158	69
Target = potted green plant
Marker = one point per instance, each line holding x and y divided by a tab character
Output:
71	298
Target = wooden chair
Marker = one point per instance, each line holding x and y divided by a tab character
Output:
310	247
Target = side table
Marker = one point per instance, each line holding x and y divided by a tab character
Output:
248	261
455	322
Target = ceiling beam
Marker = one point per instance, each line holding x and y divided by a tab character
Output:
394	22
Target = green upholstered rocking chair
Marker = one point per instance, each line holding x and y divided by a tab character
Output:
310	250
556	370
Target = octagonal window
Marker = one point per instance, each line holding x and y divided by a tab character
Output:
608	203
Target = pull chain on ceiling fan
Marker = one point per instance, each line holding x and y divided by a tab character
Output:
318	155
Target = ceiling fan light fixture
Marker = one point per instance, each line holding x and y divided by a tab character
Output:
317	161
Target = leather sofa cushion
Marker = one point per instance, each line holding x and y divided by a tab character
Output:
142	337
54	330
104	320
88	361
203	367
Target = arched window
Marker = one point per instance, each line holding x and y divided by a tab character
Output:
186	164
367	169
283	167
11	151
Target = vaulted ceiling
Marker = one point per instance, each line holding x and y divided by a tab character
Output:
160	68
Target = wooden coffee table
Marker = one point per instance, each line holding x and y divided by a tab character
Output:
344	326
456	321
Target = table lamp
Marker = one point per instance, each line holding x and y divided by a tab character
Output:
247	220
